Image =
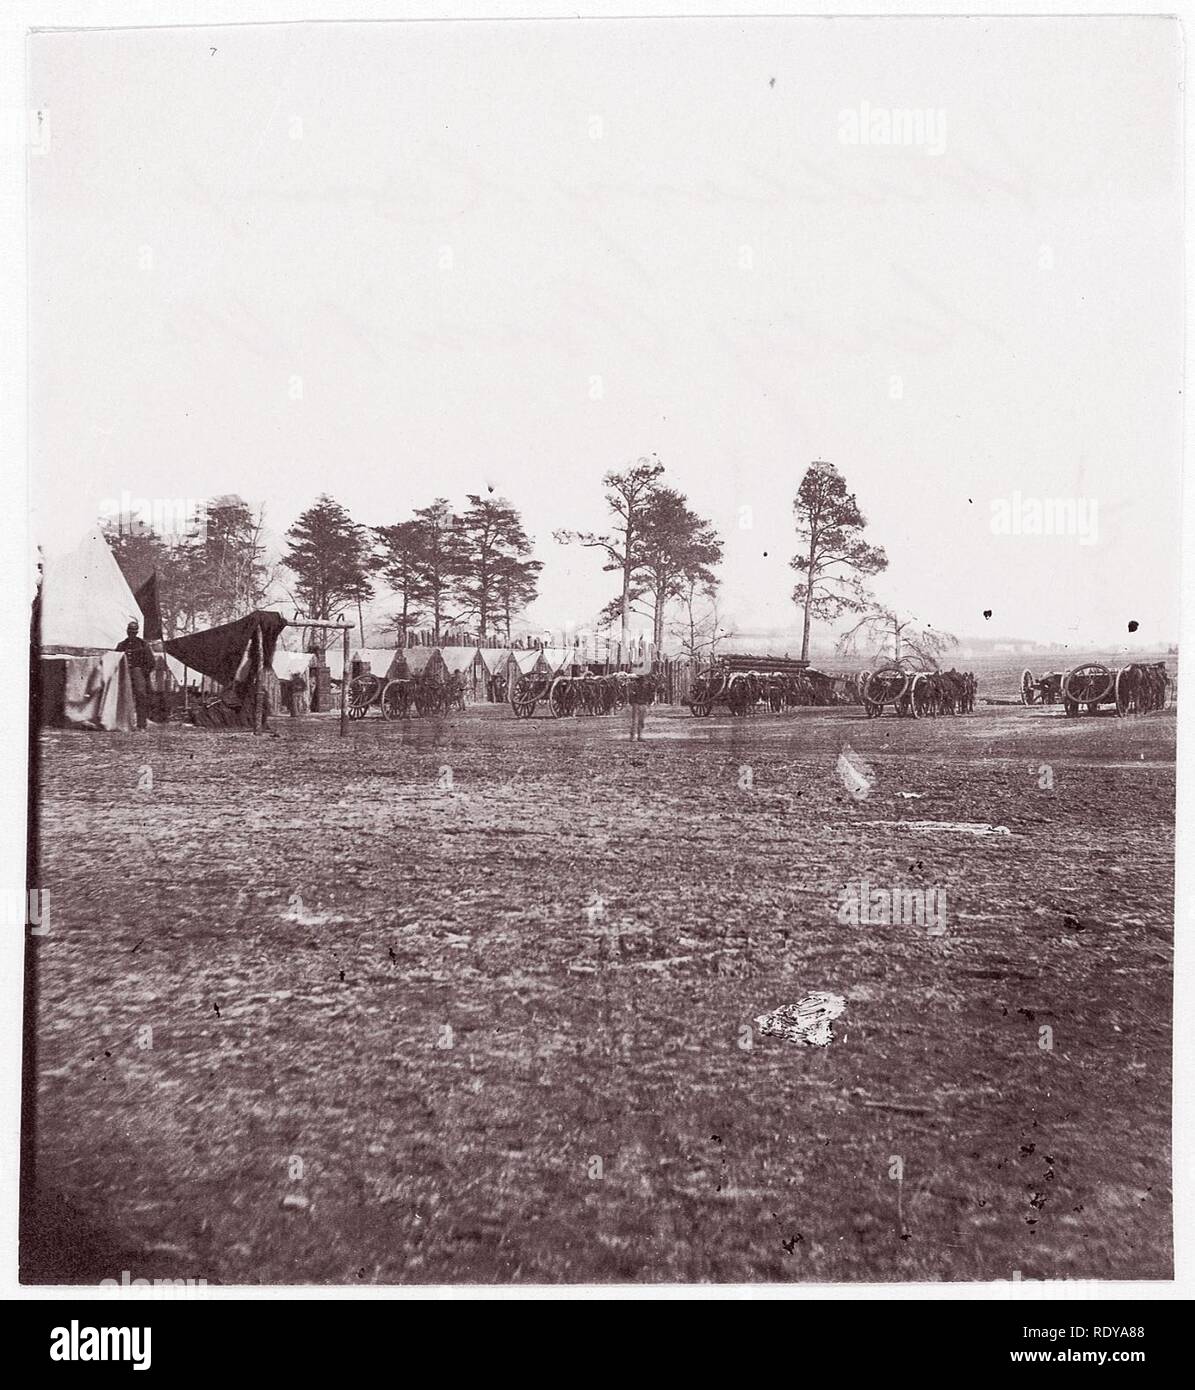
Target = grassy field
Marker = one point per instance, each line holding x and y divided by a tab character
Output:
472	1000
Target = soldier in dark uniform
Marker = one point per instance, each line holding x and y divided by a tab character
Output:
641	691
140	657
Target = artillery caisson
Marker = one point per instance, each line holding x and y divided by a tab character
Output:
918	694
1139	688
888	687
403	696
753	684
589	693
367	692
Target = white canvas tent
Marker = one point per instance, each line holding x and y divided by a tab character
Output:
557	657
496	660
500	670
467	663
86	607
529	660
459	658
86	603
378	659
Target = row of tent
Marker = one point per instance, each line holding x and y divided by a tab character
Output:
488	672
85	605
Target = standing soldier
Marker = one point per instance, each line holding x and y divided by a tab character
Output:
140	657
640	692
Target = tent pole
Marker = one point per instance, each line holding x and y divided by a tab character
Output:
344	686
256	647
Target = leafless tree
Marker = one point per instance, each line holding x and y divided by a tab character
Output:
895	637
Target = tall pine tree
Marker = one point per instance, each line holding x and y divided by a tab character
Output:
330	559
833	557
494	558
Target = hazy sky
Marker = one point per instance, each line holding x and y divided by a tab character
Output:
392	262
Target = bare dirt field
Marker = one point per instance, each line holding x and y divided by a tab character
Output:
472	1000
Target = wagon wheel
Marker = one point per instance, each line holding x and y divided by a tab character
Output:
888	694
522	698
558	697
1126	702
1027	687
1091	668
912	701
362	692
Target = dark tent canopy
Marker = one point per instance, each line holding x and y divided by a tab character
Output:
144	581
151	613
219	651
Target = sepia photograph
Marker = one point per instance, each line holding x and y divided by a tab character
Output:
603	612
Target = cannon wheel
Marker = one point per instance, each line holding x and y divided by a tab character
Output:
558	697
912	697
362	692
894	700
522	698
1028	687
1092	667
